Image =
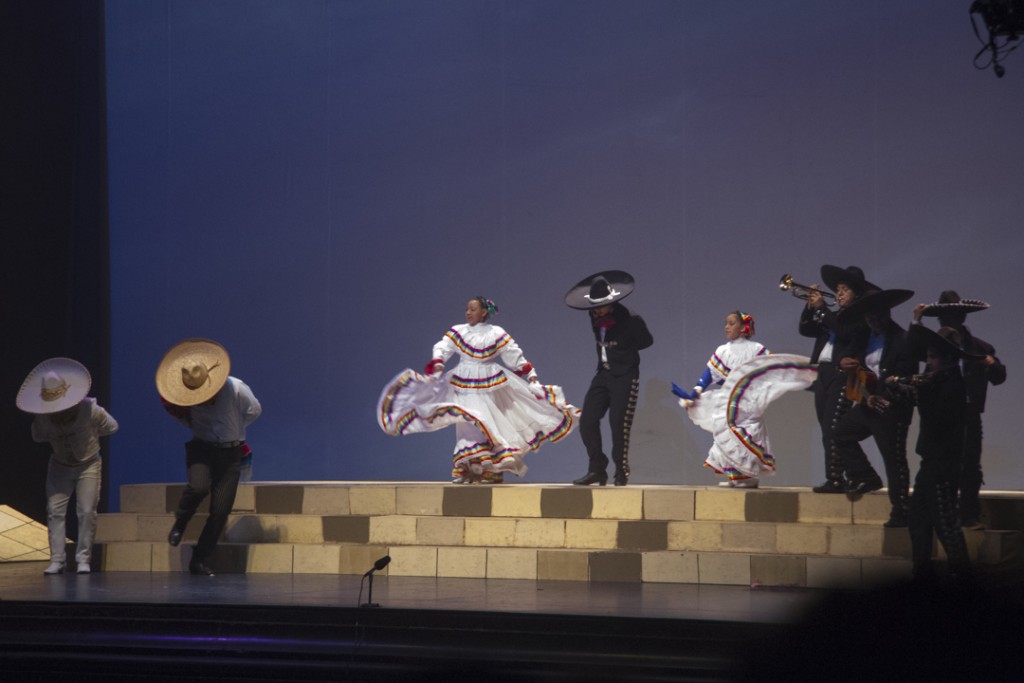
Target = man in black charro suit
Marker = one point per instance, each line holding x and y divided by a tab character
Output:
980	369
619	336
880	411
837	346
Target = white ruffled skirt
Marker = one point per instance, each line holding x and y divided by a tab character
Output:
733	413
498	417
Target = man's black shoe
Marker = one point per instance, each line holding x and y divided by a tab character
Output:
862	487
830	486
600	478
896	522
200	569
174	538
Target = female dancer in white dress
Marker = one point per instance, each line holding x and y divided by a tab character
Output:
498	415
750	379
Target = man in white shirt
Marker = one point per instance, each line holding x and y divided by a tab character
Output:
197	390
56	392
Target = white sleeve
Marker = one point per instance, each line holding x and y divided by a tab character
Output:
40	434
512	356
103	421
444	349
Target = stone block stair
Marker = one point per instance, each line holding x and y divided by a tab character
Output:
668	534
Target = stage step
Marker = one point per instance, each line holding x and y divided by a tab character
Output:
674	534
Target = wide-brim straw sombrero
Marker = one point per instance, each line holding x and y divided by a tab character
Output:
192	372
600	289
54	385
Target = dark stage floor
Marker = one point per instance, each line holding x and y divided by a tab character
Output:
26	582
260	628
263	627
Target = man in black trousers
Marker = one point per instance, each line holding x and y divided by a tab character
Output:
619	336
837	346
879	411
979	370
196	389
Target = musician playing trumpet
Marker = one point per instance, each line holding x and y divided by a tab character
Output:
838	345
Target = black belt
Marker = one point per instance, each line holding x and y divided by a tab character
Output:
221	444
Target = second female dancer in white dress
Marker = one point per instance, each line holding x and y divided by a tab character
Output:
499	409
750	379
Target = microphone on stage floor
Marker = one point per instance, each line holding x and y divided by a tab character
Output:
378	565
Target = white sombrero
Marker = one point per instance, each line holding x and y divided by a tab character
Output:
54	385
192	372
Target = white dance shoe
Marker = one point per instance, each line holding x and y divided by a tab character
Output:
750	483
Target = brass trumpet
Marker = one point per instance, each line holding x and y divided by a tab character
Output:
786	284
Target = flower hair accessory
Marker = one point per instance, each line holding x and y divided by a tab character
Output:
492	308
748	324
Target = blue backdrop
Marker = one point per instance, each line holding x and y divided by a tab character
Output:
320	185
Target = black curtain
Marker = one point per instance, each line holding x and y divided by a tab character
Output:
53	213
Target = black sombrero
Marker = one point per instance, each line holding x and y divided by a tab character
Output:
600	289
947	339
875	301
950	302
851	276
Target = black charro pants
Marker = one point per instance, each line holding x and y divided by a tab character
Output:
616	396
212	471
971	478
830	404
933	509
890	434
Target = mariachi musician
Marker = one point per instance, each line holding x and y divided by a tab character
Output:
940	395
981	368
838	345
877	410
